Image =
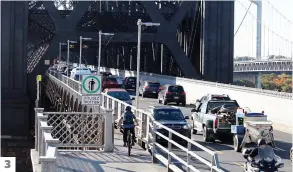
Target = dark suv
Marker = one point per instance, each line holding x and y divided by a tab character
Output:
172	118
149	88
172	93
129	83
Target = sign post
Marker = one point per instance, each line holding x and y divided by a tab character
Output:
91	89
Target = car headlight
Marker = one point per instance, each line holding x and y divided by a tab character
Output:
186	126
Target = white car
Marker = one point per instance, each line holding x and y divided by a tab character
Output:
76	72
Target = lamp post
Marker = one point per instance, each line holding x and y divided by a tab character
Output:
139	24
60	46
80	53
100	47
68	52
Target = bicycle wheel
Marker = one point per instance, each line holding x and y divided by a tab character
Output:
129	142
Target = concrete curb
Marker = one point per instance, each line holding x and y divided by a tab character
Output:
283	128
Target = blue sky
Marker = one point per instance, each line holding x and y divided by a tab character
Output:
245	39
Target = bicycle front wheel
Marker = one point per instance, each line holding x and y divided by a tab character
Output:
129	142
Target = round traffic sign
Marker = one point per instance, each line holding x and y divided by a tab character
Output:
91	84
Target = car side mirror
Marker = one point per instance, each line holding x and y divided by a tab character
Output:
132	98
186	117
193	110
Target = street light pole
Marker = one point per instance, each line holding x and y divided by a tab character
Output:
60	44
100	47
80	54
139	23
67	60
138	62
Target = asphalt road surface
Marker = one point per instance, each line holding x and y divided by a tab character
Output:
229	159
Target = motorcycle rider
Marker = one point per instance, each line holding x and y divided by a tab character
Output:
128	120
261	143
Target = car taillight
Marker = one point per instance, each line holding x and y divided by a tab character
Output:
168	92
183	93
147	87
216	123
160	88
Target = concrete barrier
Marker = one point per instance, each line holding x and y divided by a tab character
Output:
278	106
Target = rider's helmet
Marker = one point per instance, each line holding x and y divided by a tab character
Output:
261	142
128	108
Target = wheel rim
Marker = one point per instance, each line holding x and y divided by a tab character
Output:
291	156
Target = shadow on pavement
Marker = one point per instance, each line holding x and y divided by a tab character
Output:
284	152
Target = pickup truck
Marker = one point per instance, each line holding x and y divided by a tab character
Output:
214	119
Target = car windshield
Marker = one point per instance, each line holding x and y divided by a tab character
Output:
175	89
168	114
212	105
119	95
111	80
131	80
220	98
154	85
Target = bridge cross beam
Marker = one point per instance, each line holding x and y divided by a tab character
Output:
167	34
65	27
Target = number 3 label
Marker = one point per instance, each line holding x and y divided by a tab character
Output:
7	164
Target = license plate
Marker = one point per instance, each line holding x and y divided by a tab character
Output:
176	97
154	92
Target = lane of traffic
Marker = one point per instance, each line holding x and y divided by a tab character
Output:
225	150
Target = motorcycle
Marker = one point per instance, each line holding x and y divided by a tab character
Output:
265	161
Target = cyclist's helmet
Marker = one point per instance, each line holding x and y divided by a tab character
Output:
261	142
128	108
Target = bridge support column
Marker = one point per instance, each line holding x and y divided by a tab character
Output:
258	80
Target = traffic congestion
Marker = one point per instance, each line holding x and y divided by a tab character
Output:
213	120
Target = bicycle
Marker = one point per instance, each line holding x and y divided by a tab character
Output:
129	141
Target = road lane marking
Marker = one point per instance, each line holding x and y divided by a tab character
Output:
219	152
238	164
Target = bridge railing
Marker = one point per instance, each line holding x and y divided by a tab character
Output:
70	131
75	85
147	128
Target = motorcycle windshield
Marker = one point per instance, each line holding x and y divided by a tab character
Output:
266	153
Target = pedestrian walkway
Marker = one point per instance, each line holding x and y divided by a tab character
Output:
117	161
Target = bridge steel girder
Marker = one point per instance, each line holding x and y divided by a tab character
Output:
15	118
217	41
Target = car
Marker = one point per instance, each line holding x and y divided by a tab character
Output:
172	93
119	79
93	71
214	119
120	94
129	83
173	118
109	82
106	74
149	88
77	72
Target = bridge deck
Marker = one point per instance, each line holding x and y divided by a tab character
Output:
140	160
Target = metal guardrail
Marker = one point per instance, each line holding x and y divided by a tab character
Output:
148	128
214	84
254	66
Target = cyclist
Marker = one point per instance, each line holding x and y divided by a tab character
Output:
128	124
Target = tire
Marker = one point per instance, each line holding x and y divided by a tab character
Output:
194	131
205	135
164	101
236	143
183	103
159	101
